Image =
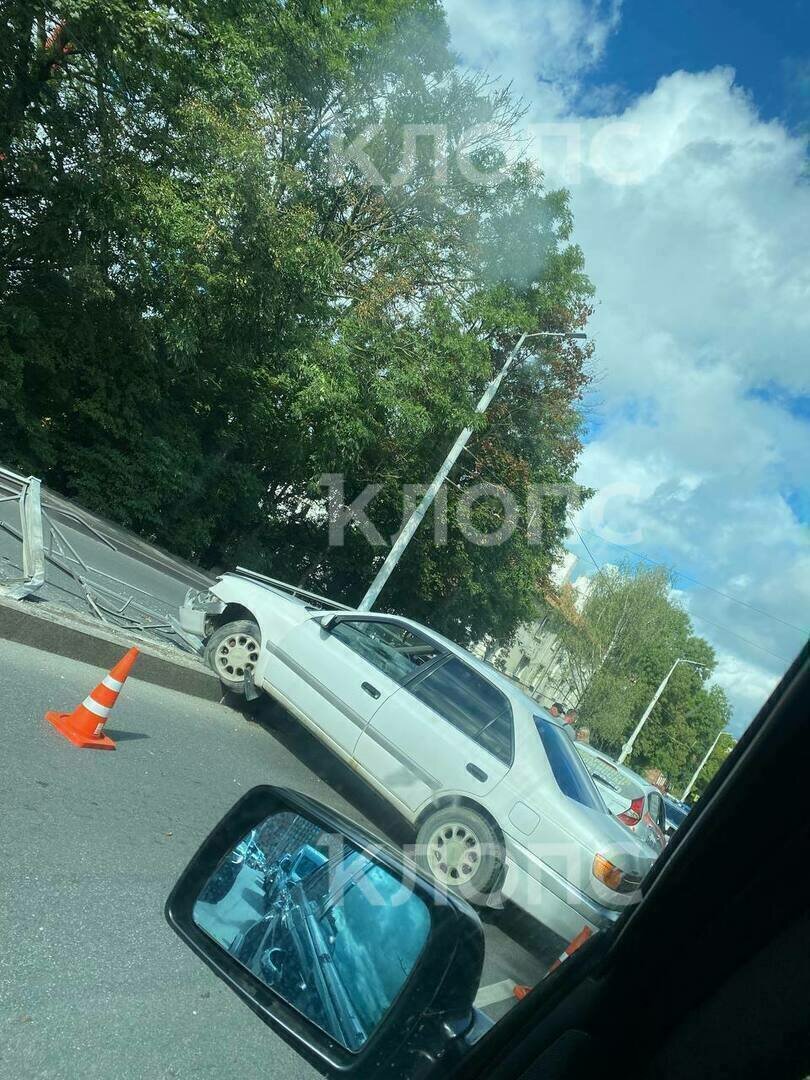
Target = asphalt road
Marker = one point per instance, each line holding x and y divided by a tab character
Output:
93	984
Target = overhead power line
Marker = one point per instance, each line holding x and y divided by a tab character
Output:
727	630
702	584
719	626
579	534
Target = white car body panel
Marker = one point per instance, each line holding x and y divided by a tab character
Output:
418	755
415	758
325	679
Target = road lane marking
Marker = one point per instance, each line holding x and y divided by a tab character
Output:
495	992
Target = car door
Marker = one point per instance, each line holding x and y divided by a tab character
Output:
447	729
338	677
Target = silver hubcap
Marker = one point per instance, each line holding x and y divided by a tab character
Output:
453	853
236	655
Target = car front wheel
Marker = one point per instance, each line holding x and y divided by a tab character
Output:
461	851
233	650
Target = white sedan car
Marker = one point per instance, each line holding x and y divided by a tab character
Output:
500	801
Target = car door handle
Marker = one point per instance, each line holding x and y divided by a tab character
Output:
369	689
479	774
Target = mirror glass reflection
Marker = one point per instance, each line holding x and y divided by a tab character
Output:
331	931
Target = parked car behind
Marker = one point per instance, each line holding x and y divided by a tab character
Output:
636	803
500	801
676	812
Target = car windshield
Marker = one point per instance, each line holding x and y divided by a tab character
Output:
571	775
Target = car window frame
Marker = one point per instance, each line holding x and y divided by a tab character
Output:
391	620
509	711
549	724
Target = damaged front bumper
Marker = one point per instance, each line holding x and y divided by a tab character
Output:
197	606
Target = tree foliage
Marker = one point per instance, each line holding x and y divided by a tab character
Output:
206	304
618	649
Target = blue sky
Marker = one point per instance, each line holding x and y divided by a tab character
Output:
690	191
768	44
798	405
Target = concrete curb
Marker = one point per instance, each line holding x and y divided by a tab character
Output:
79	639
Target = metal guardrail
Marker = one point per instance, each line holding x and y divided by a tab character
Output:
108	598
26	491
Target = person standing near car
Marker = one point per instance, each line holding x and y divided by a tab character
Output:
557	709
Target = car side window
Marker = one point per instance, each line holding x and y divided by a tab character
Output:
657	810
393	649
471	704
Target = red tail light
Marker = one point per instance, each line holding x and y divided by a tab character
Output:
632	815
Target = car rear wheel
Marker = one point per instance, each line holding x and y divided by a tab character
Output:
232	650
461	851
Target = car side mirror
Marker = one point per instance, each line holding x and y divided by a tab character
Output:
332	937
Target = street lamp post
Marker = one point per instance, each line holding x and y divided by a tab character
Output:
699	769
413	522
628	746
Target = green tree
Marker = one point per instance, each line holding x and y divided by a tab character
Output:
616	652
204	306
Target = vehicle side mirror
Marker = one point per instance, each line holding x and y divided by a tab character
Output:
331	937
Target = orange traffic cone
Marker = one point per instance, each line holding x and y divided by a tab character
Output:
580	939
520	991
84	725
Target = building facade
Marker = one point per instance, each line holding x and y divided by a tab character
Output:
534	658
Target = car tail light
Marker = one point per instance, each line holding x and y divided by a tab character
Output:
613	876
632	815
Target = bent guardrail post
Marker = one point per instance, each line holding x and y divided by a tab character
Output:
46	543
33	547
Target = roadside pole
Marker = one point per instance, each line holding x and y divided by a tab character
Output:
413	522
699	769
631	742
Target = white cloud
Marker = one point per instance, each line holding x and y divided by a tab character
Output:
747	683
541	48
705	238
695	230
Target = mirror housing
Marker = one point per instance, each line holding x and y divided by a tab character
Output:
431	1020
